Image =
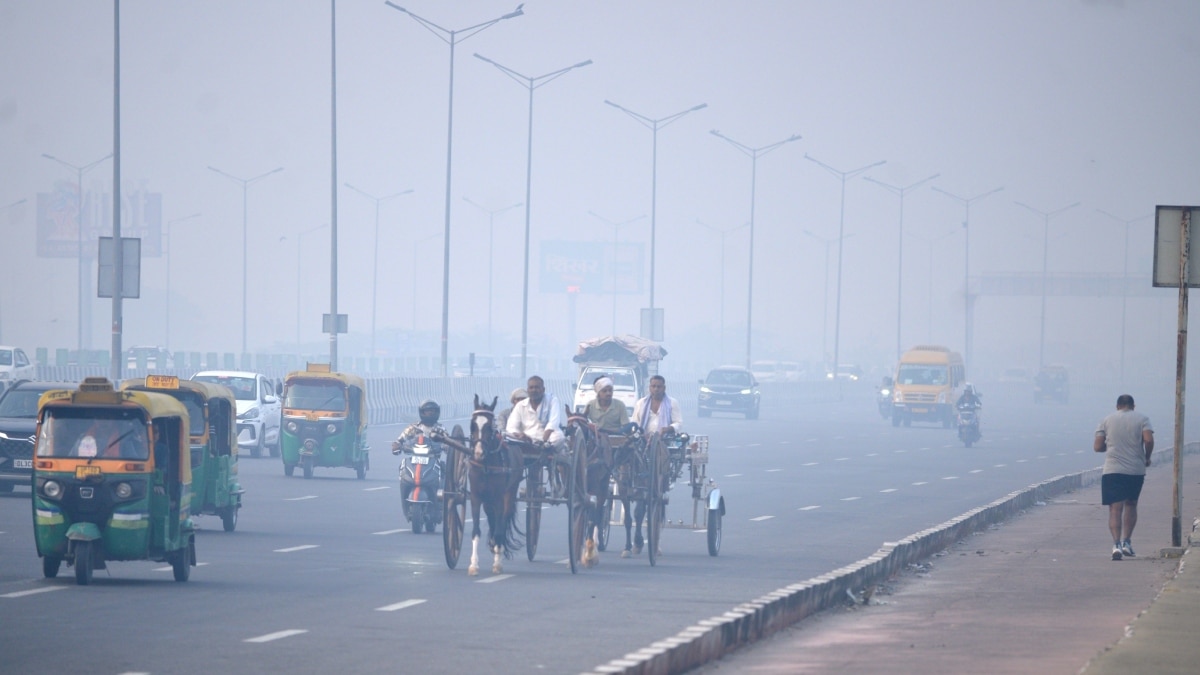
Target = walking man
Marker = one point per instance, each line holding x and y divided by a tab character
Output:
1126	439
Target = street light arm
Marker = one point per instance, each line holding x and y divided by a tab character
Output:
522	79
746	149
1055	213
664	121
542	80
259	177
1125	221
395	194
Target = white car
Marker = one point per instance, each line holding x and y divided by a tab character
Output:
259	411
14	365
765	371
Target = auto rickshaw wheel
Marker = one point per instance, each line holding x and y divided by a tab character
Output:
180	560
307	463
288	469
361	470
50	565
229	518
83	562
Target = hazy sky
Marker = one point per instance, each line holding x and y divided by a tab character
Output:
1056	101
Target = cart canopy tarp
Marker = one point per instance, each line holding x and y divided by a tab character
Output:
628	349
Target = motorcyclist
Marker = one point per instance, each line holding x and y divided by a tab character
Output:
970	399
428	426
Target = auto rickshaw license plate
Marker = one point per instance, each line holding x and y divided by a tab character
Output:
85	470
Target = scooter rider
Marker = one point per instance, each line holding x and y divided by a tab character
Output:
970	399
429	413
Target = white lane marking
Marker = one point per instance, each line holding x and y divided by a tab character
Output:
761	518
999	466
300	499
810	464
492	580
732	475
872	454
753	445
168	568
1041	457
34	591
381	487
810	440
400	605
784	442
774	470
899	451
949	477
921	482
1022	461
807	508
889	490
926	448
278	635
404	529
850	499
976	470
296	548
733	447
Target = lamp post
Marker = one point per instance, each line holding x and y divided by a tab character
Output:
968	312
753	154
375	253
929	242
1127	222
170	224
452	38
79	171
837	313
1046	216
246	183
616	229
723	233
828	243
530	83
416	250
492	213
901	192
300	274
654	125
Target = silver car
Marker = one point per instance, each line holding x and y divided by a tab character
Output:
258	409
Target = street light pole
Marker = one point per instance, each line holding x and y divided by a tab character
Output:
452	38
753	154
375	253
492	213
616	229
1127	222
246	183
828	243
968	313
79	171
837	320
654	125
170	223
530	83
1046	216
901	192
723	233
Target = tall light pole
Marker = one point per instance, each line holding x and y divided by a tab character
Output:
654	125
79	171
530	83
300	273
837	313
452	38
6	208
492	213
375	253
1127	222
968	311
828	243
246	183
1046	216
900	192
170	224
723	232
616	242
929	242
753	154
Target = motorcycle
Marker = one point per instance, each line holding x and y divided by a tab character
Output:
968	425
421	485
884	398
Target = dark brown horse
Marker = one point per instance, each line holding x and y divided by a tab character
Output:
495	474
597	463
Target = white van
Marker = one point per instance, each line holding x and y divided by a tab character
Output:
14	365
626	387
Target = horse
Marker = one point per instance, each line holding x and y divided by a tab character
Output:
598	466
495	473
632	473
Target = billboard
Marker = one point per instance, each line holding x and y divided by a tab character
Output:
64	218
602	268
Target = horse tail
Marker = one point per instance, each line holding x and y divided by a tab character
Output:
509	536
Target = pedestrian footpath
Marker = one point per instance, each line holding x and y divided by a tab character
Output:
1038	593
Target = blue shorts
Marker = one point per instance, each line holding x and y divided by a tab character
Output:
1120	487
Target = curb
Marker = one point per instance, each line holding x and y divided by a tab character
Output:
710	639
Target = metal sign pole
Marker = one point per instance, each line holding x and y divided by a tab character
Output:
1180	373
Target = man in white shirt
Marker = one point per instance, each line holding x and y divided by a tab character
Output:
658	413
538	417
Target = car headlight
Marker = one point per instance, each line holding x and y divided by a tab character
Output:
745	391
52	489
705	390
291	427
123	490
885	392
251	414
829	376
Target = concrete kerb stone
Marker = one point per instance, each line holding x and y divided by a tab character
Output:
713	638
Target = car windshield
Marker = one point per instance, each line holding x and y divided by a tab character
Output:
921	374
107	434
735	378
316	396
622	379
6	357
20	403
242	387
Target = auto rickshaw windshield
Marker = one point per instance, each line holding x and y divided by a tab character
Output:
329	395
195	409
102	434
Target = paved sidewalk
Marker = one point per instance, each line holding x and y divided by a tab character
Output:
1038	593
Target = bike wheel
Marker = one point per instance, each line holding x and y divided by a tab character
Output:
454	506
533	510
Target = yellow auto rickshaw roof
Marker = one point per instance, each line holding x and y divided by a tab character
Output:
207	390
92	393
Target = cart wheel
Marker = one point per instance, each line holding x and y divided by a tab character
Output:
83	562
714	531
229	518
576	505
605	524
655	513
454	503
533	510
50	565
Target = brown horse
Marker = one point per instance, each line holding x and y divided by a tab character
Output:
585	437
495	474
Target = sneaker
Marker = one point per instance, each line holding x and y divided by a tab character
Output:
1116	552
1127	549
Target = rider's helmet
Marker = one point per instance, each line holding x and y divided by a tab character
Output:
969	390
429	411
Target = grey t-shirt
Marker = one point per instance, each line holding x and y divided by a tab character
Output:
1122	432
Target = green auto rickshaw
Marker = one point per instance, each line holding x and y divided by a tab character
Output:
324	421
111	480
212	415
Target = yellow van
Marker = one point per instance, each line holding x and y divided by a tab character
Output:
929	380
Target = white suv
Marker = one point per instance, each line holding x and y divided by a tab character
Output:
14	365
258	409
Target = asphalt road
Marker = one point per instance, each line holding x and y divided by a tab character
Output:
324	574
